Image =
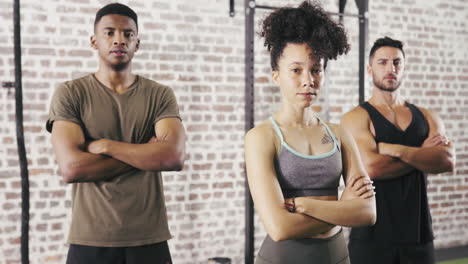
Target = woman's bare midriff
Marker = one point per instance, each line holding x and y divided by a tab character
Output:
335	229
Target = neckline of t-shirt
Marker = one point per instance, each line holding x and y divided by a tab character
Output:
132	87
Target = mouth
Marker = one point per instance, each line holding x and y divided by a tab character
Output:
390	77
308	95
118	52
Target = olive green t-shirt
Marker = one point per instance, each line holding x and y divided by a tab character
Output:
128	210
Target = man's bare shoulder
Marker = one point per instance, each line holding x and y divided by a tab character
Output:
355	115
427	112
435	121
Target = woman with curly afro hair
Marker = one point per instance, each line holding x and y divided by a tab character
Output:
295	160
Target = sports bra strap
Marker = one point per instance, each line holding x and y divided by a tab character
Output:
330	133
335	141
277	129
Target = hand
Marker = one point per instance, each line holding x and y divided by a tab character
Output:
153	139
294	205
97	146
384	148
290	204
358	187
435	140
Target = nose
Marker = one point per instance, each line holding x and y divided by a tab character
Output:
391	68
308	79
119	40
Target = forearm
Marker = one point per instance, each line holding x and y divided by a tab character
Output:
152	156
435	159
87	167
350	213
387	167
296	226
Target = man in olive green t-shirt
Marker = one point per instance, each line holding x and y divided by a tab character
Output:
112	134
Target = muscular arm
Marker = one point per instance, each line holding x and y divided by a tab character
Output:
356	206
378	166
266	191
436	154
77	165
164	154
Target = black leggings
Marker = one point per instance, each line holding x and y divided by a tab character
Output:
301	251
367	252
147	254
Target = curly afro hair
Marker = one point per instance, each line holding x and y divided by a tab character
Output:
308	23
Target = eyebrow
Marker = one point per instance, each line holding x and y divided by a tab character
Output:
302	63
125	30
295	62
395	59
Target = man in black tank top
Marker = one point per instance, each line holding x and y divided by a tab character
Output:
399	144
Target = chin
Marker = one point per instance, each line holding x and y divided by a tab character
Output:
120	66
388	89
306	105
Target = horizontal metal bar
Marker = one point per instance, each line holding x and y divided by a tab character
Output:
344	14
330	13
266	7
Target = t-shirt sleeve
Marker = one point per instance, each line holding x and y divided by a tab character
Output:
168	106
63	107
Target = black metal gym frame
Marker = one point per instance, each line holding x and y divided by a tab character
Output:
23	161
249	9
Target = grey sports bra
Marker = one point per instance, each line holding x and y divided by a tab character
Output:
307	175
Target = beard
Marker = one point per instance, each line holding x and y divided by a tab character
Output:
120	66
115	64
385	87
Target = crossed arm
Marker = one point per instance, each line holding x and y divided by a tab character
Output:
387	161
104	159
266	192
436	155
356	206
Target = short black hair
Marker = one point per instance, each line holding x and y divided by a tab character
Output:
116	9
309	24
386	42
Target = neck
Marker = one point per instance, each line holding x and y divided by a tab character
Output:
117	81
291	116
391	99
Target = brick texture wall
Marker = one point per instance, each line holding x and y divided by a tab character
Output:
196	48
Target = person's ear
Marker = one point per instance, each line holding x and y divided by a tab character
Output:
92	41
137	45
275	76
369	69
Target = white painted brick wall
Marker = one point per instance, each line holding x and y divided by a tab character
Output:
196	48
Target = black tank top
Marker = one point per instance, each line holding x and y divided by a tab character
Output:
402	207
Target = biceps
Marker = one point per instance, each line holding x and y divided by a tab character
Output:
169	129
67	138
264	186
436	126
267	197
352	163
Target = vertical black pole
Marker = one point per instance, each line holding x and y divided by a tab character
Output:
232	11
23	161
249	7
363	6
341	8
